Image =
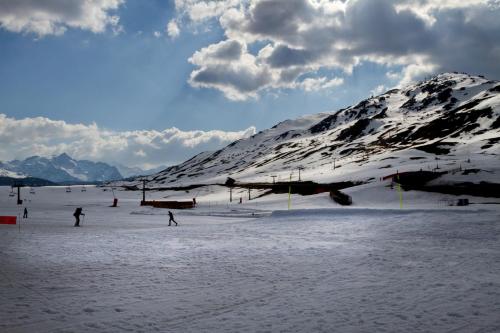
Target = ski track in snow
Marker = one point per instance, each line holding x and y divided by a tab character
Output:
358	270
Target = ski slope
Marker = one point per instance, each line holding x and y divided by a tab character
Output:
254	267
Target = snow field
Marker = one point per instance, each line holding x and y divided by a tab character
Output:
317	269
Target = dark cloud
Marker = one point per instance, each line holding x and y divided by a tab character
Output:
278	19
283	56
375	27
230	50
240	79
468	41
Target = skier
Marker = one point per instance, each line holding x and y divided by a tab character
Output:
77	214
25	215
171	219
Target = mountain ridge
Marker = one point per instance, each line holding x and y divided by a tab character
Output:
451	116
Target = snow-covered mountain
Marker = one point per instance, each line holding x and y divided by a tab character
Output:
449	121
10	174
62	169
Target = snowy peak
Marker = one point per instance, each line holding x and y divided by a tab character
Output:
63	169
450	114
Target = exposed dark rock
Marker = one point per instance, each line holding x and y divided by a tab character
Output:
496	123
495	88
449	124
444	95
355	131
325	124
437	148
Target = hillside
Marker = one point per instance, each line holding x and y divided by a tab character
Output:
450	121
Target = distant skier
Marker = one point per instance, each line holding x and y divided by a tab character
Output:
25	215
171	219
77	214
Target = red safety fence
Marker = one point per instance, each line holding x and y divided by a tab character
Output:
8	219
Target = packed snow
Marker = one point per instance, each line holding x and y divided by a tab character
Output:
250	267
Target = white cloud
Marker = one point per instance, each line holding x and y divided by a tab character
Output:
415	72
54	17
378	90
20	138
173	30
157	34
202	10
315	84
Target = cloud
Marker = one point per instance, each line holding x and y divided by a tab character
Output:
378	90
315	84
229	67
157	34
20	138
173	30
412	38
202	10
54	17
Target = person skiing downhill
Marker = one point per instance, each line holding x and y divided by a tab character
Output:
77	214
171	219
25	215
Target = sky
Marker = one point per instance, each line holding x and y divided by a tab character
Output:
153	82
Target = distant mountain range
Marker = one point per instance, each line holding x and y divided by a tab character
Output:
60	169
64	169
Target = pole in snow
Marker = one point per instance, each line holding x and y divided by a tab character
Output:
400	193
290	193
143	190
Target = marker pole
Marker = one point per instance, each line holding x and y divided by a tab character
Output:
400	194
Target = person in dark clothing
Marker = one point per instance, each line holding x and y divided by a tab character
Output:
77	214
25	215
171	219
